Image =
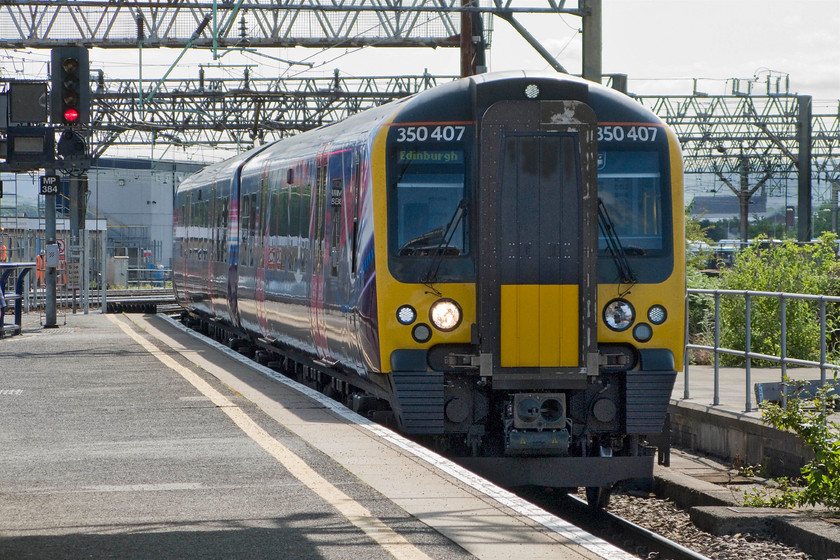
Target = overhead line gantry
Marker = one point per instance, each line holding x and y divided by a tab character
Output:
255	23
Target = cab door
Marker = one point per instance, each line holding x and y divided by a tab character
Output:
537	244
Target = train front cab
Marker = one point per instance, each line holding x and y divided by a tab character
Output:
537	378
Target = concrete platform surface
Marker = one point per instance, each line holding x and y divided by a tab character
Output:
125	437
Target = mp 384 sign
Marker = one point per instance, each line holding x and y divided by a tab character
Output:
50	184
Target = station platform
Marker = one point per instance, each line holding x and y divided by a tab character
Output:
713	443
125	436
732	428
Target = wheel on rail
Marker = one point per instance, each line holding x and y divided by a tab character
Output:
598	497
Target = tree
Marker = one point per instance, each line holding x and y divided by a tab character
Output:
744	192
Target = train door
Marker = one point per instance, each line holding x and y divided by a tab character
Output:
260	247
186	245
320	260
352	283
212	242
537	244
233	236
189	262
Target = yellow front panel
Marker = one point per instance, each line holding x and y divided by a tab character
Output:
539	326
669	294
392	293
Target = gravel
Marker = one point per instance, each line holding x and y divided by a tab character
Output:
664	518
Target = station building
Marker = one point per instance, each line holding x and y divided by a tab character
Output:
129	203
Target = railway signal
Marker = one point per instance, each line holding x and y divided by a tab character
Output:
70	99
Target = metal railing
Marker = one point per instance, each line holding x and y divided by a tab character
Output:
15	295
139	276
783	359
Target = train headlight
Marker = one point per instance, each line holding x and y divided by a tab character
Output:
406	315
657	314
445	314
619	315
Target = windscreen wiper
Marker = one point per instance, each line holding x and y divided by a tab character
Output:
614	246
423	244
445	241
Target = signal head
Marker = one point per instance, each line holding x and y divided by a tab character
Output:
71	115
70	97
70	65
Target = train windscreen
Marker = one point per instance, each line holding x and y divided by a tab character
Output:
429	191
630	186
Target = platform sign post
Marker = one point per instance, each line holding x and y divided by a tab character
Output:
51	182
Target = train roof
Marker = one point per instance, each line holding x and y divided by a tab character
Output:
476	93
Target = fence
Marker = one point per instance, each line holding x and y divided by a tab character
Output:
139	277
784	360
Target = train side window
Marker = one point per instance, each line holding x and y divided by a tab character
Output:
336	194
274	214
320	210
245	228
253	229
182	221
224	228
202	238
356	173
294	210
305	210
188	227
283	211
221	208
199	230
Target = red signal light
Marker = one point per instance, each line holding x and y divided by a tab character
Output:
71	115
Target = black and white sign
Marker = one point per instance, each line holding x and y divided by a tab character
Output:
49	184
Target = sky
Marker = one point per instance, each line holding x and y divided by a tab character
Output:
662	45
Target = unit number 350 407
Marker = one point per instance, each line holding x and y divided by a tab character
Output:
627	133
424	133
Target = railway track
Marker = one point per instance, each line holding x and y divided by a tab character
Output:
619	532
624	534
150	300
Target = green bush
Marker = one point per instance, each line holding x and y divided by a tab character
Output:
820	482
785	267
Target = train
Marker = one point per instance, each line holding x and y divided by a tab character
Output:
495	265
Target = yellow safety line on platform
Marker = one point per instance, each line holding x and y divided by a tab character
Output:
358	515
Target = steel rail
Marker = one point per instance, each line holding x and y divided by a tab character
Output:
616	531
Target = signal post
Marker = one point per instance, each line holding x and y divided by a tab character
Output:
31	143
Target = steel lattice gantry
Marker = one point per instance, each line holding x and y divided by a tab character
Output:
758	139
252	23
719	133
234	113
